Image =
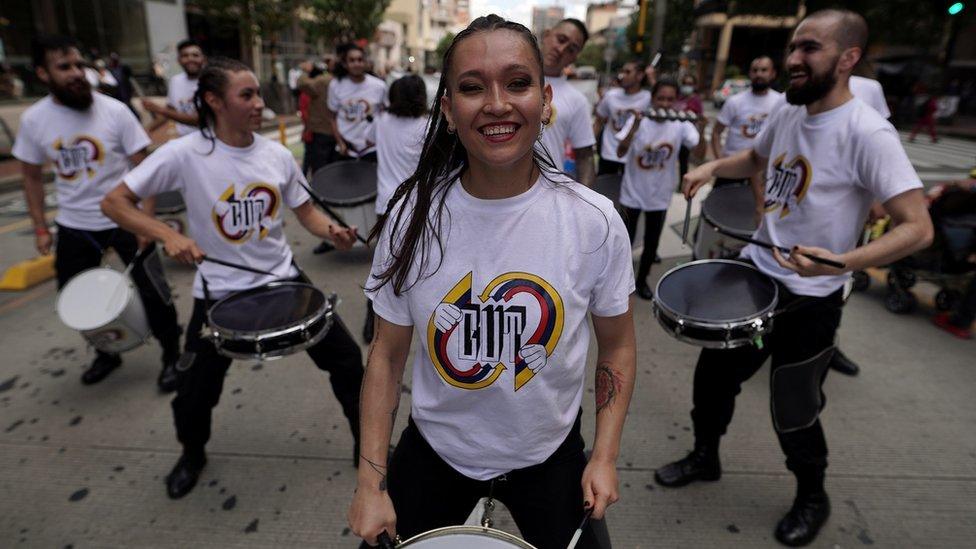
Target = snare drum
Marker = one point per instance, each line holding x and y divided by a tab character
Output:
104	305
716	303
468	537
732	209
349	187
171	210
270	321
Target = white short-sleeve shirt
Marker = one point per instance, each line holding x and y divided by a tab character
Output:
570	122
617	106
871	92
90	150
651	163
517	275
179	95
356	105
824	171
399	141
234	198
744	114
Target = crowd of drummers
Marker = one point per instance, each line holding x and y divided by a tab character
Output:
501	214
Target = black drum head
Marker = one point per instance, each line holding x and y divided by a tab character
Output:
346	183
732	208
716	291
608	185
275	306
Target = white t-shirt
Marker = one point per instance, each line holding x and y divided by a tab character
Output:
90	150
871	92
824	171
616	106
234	197
518	276
180	97
651	164
744	115
570	121
399	142
356	105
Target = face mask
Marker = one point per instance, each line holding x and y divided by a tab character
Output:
687	90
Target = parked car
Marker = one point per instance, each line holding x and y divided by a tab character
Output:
729	88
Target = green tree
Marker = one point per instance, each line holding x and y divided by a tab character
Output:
592	55
678	23
442	45
337	21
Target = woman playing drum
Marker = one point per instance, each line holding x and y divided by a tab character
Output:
234	184
496	258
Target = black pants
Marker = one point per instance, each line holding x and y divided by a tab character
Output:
546	500
653	225
321	151
609	166
203	382
79	250
798	335
965	311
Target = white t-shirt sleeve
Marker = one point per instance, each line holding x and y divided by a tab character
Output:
333	101
158	173
622	134
689	135
134	136
615	282
581	131
602	109
26	147
727	114
883	167
293	191
391	307
763	144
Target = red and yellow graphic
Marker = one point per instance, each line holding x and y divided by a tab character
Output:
515	323
787	184
654	157
754	125
355	110
83	153
253	211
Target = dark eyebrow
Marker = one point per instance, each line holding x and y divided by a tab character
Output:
805	43
509	68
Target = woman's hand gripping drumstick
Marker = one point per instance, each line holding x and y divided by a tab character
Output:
320	225
121	205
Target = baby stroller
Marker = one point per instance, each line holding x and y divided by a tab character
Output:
944	263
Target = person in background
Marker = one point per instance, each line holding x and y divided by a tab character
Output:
181	89
354	99
314	82
615	108
688	100
569	126
123	75
926	119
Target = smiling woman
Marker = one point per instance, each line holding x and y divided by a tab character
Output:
498	259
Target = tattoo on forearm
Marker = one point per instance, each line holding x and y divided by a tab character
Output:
380	469
607	386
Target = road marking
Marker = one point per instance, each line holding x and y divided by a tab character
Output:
24	223
19	302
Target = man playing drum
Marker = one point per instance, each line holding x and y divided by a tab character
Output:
235	184
831	155
92	140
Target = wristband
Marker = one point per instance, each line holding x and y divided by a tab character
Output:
42	230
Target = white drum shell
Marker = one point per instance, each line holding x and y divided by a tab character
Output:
105	307
466	537
363	217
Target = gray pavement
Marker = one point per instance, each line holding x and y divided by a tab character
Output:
83	466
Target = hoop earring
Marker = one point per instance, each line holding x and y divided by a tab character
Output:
451	129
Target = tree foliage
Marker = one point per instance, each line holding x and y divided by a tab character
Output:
337	21
264	18
679	21
442	45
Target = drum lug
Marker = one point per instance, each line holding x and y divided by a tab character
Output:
680	327
258	347
333	299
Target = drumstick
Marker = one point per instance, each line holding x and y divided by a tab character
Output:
237	266
342	222
684	229
579	531
783	250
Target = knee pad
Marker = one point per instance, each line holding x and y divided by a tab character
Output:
795	392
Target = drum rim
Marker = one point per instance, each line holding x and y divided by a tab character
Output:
765	326
259	335
348	203
723	226
468	529
705	323
129	289
283	352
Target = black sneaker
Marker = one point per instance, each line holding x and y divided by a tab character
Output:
802	523
702	463
322	248
841	363
644	291
181	480
100	368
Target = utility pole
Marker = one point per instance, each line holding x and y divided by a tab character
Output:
641	27
657	36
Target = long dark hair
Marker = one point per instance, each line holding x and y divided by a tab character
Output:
341	52
442	160
408	97
214	79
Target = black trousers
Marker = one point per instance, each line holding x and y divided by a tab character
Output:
653	225
321	151
609	166
546	500
798	335
79	250
203	381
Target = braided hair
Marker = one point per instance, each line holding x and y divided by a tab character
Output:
214	79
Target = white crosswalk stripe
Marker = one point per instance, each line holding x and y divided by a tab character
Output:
949	159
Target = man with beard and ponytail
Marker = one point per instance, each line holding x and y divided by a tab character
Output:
745	113
830	155
181	89
92	140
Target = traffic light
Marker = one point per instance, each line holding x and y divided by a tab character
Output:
956	8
